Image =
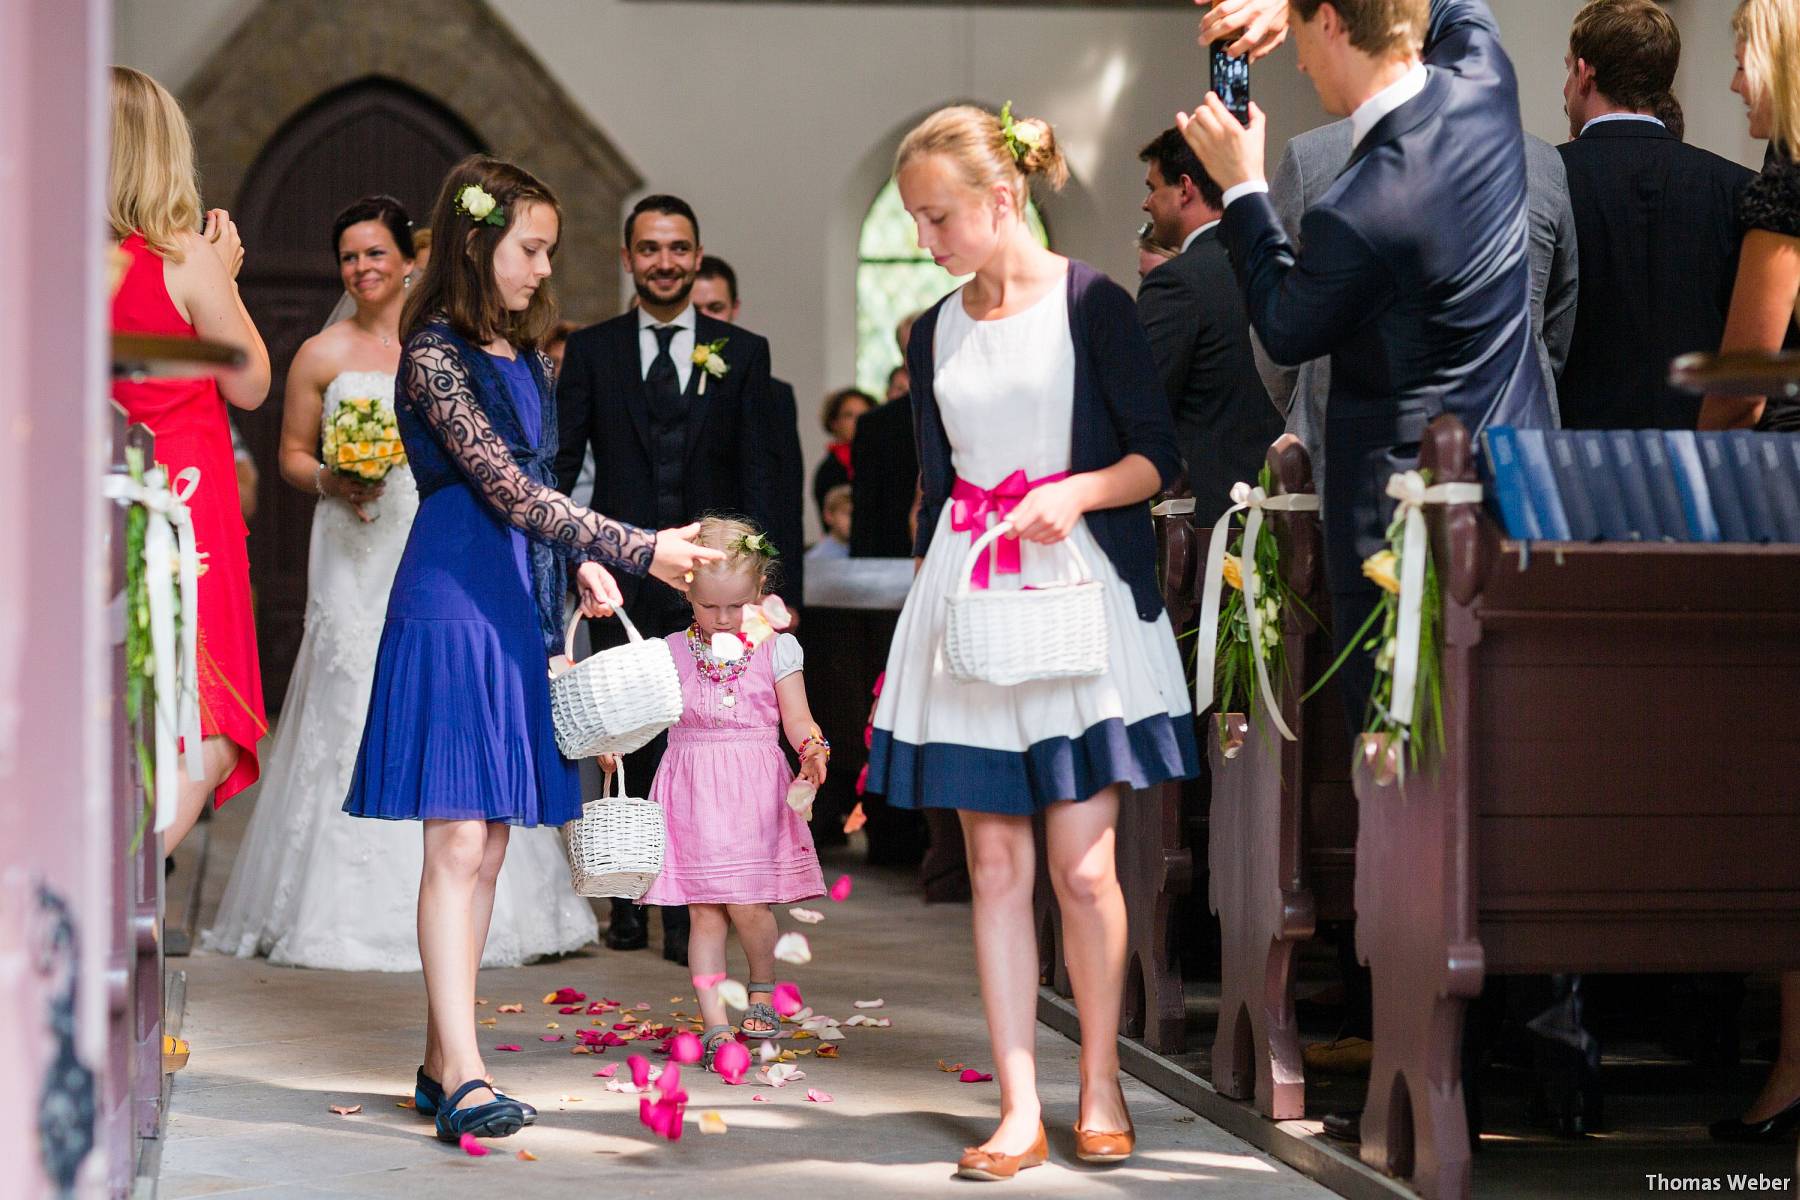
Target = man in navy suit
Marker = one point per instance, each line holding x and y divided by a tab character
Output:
1414	273
672	441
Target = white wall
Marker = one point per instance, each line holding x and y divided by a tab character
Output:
779	121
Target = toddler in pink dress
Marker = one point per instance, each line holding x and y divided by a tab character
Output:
734	846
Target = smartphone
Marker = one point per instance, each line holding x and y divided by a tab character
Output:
1231	80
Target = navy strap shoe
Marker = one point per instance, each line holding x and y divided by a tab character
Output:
495	1119
428	1097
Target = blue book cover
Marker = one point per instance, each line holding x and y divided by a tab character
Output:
1779	454
1722	482
1753	484
1507	483
1690	478
1639	508
1665	492
1605	486
1571	481
1545	499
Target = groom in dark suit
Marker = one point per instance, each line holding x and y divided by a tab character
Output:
1414	268
673	439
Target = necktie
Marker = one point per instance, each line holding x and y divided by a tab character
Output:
664	381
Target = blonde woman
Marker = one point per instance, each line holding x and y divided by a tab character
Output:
182	280
1764	302
1763	309
1037	401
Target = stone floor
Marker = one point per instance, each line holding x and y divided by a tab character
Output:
276	1048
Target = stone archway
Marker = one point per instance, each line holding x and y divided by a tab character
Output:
288	53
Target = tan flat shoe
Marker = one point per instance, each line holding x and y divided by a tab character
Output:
992	1167
1109	1146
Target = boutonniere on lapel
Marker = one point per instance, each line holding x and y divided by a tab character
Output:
710	360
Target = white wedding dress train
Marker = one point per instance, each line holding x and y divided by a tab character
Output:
313	886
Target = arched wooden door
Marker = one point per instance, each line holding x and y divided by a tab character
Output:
373	135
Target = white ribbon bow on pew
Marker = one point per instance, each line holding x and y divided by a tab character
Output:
1256	501
169	547
1409	490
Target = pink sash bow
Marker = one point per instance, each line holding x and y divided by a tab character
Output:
974	509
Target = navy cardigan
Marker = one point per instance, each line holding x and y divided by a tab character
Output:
1121	408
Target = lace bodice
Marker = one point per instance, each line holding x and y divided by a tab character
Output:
436	388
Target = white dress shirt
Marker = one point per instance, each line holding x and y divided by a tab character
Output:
1189	239
1605	117
681	347
1367	115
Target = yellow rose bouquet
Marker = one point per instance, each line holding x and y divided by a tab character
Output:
362	439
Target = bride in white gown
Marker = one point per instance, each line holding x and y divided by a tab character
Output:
313	887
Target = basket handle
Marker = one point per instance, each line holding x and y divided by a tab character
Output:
608	790
631	632
994	534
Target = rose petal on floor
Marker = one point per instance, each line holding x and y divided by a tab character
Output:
509	1048
551	1037
828	1050
971	1075
712	1122
818	1097
952	1068
608	1071
840	891
831	1033
526	1156
346	1110
869	1003
793	948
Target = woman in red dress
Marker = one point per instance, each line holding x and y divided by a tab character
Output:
182	280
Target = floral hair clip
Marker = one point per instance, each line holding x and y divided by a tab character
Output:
755	543
478	206
1022	137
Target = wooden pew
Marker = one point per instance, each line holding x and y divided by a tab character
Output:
1617	794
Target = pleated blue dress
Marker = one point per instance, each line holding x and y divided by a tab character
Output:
459	715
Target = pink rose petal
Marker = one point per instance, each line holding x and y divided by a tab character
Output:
775	611
509	1048
685	1048
608	1071
786	999
731	1062
702	982
818	1097
971	1075
862	785
551	1037
640	1070
760	1098
840	891
471	1147
880	682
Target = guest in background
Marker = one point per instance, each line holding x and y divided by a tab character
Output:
836	543
1764	307
1763	301
885	481
1151	253
1655	221
716	294
557	344
247	475
839	414
1194	313
898	383
672	441
184	283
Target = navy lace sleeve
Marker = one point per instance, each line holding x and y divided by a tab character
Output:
435	383
1771	201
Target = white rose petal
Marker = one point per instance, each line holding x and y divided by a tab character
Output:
792	948
831	1033
870	1003
806	916
734	994
727	647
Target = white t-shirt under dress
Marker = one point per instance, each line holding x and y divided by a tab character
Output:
1005	390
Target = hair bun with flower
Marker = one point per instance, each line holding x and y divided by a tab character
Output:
1022	136
757	544
475	203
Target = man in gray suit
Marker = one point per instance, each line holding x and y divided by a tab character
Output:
1193	310
1310	165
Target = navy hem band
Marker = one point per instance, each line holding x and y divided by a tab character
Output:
978	779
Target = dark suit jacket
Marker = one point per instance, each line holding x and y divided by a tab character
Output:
1194	313
787	521
1658	241
1415	278
886	462
602	402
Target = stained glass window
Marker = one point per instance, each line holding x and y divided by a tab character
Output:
893	278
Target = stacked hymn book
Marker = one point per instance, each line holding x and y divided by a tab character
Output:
1644	485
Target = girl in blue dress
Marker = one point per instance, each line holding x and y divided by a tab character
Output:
458	734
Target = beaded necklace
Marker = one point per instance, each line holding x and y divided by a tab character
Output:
724	674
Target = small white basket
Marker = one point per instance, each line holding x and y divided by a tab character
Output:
617	700
615	847
1008	636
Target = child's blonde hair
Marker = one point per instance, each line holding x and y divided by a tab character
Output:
746	548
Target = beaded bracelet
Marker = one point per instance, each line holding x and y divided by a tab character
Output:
815	739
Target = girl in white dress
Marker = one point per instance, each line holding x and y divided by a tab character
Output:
313	886
1036	401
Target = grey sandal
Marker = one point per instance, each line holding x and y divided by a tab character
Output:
762	1011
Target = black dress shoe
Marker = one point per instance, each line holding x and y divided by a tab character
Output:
1778	1128
1344	1126
675	934
628	930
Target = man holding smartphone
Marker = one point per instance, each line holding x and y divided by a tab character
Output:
1414	272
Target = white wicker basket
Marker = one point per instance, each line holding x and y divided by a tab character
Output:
1016	635
615	701
615	847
